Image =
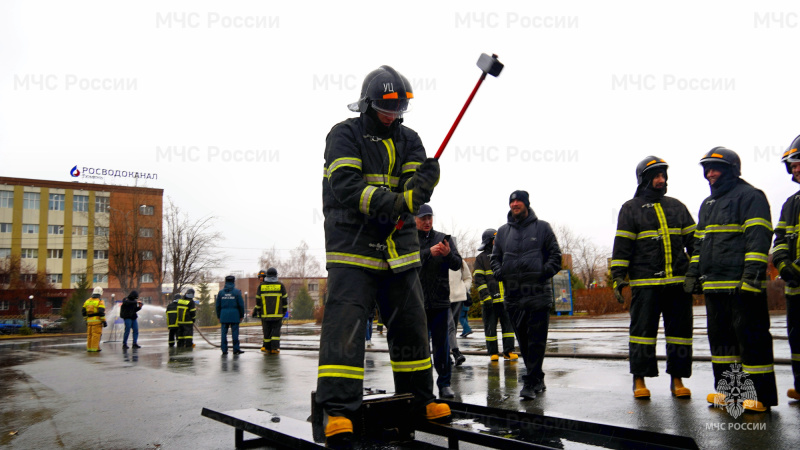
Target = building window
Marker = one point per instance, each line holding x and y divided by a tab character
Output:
101	254
101	231
30	200
147	278
80	231
100	278
54	278
5	278
4	305
313	287
5	252
147	255
102	204
30	228
75	278
56	202
145	210
79	254
146	300
30	253
80	203
6	199
28	278
55	253
5	228
55	229
146	232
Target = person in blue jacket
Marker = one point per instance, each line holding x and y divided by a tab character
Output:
230	311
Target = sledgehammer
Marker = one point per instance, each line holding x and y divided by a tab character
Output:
488	65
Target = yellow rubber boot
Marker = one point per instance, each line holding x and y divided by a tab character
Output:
639	388
510	356
678	389
495	358
338	425
437	411
792	393
716	398
754	406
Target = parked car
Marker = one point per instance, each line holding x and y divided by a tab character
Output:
11	326
56	326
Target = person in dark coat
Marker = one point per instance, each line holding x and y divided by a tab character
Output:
785	256
375	179
127	312
729	266
654	234
172	319
525	257
230	311
439	256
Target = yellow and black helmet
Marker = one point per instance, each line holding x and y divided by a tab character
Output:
792	154
261	274
385	90
724	156
647	164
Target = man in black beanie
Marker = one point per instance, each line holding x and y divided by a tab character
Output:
525	257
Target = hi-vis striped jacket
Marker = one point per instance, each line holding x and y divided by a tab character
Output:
363	176
483	279
787	250
653	242
732	240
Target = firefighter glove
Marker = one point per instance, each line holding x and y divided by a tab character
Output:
750	285
691	285
791	275
105	324
425	179
496	296
619	284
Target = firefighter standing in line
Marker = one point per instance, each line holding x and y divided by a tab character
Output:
187	310
271	305
491	294
375	177
94	309
654	233
172	319
785	256
729	264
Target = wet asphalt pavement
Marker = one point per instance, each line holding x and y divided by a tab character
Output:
56	395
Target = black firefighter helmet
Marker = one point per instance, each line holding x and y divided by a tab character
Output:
724	156
647	164
385	90
791	155
261	274
486	238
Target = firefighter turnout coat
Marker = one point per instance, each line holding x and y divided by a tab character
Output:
732	241
652	242
362	175
787	245
272	300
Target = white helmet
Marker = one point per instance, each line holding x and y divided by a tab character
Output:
98	291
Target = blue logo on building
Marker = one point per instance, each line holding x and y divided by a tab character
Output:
75	172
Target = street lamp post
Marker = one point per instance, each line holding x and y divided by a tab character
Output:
28	316
246	305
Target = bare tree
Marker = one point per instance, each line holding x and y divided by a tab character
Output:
189	247
271	258
567	240
131	255
302	264
589	261
467	241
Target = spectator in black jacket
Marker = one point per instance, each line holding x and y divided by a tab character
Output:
438	257
127	312
525	257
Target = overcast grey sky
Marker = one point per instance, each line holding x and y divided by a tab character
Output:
229	102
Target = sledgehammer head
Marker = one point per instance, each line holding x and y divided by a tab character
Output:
490	64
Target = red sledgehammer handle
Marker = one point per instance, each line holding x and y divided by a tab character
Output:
460	115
